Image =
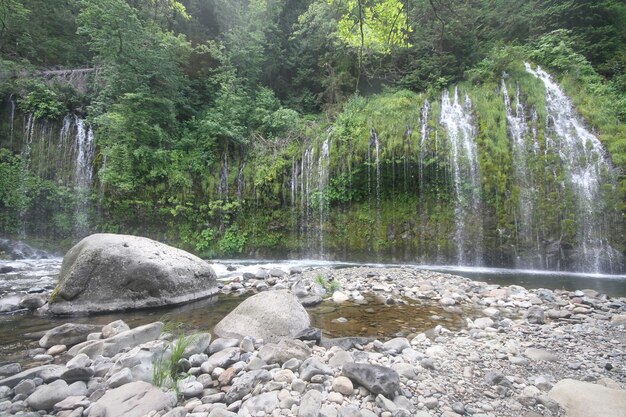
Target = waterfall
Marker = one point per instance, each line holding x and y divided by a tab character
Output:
458	122
527	238
425	132
223	187
241	181
323	175
583	159
85	149
11	121
375	142
85	153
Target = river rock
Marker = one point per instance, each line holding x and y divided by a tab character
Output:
540	355
67	334
108	272
262	404
583	399
310	404
45	396
38	372
32	301
114	328
269	315
244	384
377	379
135	400
535	315
284	350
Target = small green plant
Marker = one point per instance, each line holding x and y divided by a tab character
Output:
167	370
330	285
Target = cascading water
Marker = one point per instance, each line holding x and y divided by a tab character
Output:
323	175
375	143
583	159
425	133
83	179
309	182
11	121
458	122
527	244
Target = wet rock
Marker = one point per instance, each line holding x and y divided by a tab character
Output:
32	301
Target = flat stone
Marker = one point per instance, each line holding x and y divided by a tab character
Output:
263	403
310	404
222	343
244	384
10	369
43	372
114	328
583	399
284	350
45	396
375	378
396	345
312	367
135	400
540	355
67	334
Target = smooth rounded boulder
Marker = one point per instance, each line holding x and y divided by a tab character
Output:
269	315
108	272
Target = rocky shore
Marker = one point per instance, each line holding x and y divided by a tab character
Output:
527	353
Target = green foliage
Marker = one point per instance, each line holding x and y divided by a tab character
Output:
40	100
330	285
377	25
234	241
167	370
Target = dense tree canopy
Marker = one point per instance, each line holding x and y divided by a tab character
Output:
181	89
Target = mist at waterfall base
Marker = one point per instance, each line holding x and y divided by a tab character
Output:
447	153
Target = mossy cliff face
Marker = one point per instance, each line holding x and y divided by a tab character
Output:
485	174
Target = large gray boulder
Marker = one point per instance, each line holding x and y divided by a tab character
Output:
269	315
107	272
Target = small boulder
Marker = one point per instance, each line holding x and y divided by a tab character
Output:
269	315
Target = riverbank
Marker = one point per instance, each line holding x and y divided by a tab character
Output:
514	349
